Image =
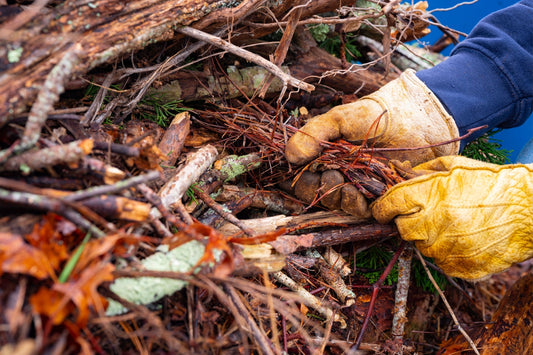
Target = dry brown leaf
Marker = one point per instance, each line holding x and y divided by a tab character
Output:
81	293
18	257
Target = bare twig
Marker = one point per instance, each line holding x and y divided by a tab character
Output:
109	189
402	289
109	174
53	86
159	210
309	220
283	47
263	199
174	189
315	21
337	284
273	69
44	203
443	297
60	154
401	149
226	215
454	6
307	298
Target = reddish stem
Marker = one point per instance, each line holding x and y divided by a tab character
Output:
375	289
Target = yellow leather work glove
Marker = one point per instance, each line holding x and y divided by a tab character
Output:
414	118
473	218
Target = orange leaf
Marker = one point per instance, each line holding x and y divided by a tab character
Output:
18	257
81	294
215	240
51	304
51	239
99	248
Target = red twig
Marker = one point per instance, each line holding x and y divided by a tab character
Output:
375	290
401	149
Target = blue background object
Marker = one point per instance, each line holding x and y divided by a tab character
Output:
464	18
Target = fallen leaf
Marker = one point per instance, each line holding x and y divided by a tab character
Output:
18	257
103	247
47	237
80	294
83	291
52	304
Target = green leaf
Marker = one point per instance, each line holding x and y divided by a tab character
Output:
69	266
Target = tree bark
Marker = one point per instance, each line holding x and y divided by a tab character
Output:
509	331
105	30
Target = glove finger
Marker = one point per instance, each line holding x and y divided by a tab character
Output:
306	188
450	162
404	199
353	202
304	145
351	121
331	183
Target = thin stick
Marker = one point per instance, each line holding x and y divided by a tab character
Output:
197	163
220	210
44	203
283	47
375	290
441	294
33	160
259	335
53	86
110	189
402	290
467	134
315	21
254	58
159	209
307	298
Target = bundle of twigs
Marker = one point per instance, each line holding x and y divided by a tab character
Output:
248	129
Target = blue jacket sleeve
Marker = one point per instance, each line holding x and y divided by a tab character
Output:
488	78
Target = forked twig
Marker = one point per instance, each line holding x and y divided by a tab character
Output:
441	294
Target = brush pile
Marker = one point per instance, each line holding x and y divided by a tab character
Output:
147	206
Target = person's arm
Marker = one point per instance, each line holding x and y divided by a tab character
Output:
488	79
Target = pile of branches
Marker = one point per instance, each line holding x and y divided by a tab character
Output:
146	199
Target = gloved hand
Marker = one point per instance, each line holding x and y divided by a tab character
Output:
414	117
473	218
332	192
